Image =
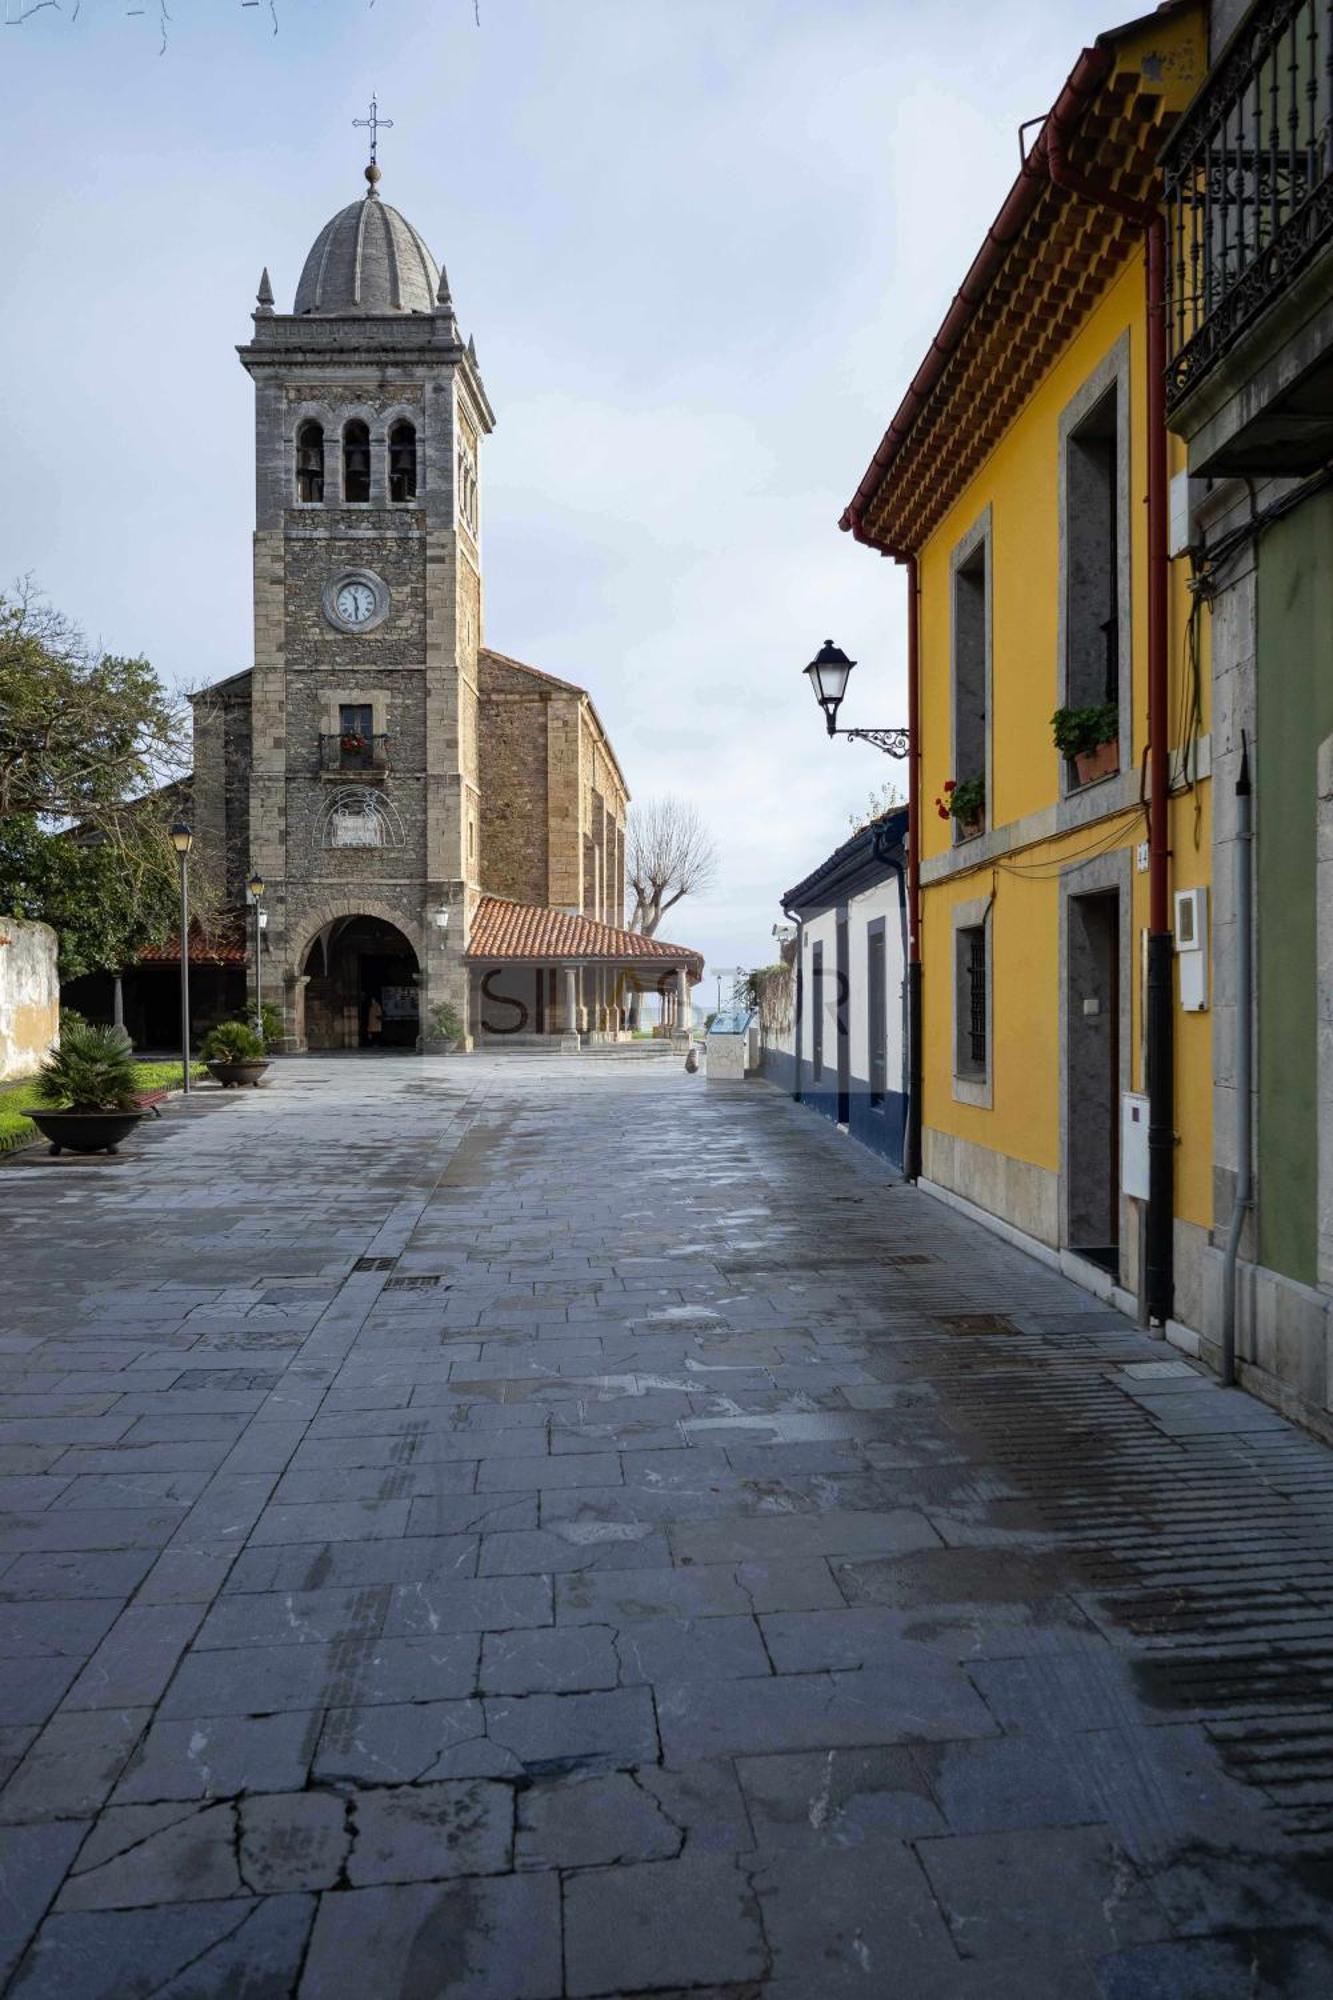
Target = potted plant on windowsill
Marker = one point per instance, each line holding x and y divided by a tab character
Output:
446	1030
88	1091
351	744
1089	738
964	802
234	1054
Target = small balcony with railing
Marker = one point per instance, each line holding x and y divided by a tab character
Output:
353	757
1249	208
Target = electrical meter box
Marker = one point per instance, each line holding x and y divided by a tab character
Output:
1192	948
1134	1145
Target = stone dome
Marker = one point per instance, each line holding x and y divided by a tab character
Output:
368	259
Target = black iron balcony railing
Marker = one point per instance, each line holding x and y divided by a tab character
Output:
1249	183
348	754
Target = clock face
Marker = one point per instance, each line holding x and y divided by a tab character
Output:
355	602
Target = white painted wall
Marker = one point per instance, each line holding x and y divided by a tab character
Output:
29	995
862	910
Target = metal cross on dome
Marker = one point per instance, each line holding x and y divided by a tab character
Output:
376	125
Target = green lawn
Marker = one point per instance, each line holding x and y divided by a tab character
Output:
16	1130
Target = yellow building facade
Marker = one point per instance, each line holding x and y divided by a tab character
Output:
1014	484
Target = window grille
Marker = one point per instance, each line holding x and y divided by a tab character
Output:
976	994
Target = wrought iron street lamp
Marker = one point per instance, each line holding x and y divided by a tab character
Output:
829	673
255	890
182	839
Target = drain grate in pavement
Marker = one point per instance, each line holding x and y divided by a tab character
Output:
975	1323
374	1263
411	1284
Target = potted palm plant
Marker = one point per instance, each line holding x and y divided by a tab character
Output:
1089	739
87	1091
446	1030
234	1054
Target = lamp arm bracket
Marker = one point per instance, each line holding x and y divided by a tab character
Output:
894	742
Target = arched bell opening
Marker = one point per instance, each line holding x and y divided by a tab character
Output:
363	986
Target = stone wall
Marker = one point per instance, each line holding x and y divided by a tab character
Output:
515	848
29	995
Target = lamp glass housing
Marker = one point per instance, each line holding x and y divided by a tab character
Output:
828	673
182	836
440	919
255	886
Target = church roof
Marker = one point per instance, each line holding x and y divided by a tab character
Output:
368	259
534	934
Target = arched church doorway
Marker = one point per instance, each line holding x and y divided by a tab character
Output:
362	987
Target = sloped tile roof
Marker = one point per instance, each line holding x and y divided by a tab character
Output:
226	946
501	929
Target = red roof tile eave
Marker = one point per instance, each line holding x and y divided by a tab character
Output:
532	934
1084	80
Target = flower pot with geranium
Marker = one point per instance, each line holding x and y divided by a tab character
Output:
964	802
1089	739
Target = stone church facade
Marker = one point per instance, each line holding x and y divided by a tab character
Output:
435	823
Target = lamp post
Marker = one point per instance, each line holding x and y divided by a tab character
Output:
182	839
829	673
255	890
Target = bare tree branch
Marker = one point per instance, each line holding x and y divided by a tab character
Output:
670	855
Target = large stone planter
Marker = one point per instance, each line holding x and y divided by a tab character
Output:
235	1075
84	1131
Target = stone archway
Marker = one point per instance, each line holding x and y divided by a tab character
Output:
362	985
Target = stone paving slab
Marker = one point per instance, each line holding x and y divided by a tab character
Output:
690	1561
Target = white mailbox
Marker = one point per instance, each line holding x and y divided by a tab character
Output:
1192	948
1134	1145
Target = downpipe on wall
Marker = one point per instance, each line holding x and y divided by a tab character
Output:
1244	1194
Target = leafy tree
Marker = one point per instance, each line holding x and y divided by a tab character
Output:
83	733
107	902
88	742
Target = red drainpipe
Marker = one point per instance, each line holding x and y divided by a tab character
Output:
1160	1023
915	1018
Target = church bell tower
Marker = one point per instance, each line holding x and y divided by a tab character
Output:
363	799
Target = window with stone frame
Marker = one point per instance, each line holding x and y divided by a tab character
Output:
356	462
310	462
403	460
971	660
356	736
971	972
1092	559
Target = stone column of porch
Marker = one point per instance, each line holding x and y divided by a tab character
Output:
569	1040
680	1031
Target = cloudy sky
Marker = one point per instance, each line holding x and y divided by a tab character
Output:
701	244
